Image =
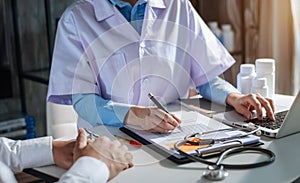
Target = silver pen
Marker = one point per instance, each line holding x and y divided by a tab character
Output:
159	105
91	135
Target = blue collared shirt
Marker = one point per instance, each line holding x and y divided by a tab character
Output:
134	15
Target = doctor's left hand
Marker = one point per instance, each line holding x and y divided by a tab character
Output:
244	104
151	119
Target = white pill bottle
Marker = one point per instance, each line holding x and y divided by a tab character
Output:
215	29
245	77
265	68
259	85
228	37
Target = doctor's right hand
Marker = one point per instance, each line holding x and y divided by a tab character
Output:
151	119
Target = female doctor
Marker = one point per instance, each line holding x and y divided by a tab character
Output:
109	54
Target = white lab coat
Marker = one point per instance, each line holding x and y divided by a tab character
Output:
18	155
98	51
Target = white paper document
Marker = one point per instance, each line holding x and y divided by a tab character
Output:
194	122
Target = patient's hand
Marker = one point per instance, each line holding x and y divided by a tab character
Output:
112	153
63	153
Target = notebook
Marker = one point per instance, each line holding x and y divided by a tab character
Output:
192	122
287	122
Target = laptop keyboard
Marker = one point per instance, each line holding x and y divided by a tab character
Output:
268	123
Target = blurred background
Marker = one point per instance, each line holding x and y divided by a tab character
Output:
262	29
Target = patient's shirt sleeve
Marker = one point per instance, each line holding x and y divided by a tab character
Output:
21	154
86	170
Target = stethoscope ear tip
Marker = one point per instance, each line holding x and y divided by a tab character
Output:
215	173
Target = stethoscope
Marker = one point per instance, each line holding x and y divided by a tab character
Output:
216	170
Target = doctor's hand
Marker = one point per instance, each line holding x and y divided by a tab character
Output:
151	119
244	104
115	155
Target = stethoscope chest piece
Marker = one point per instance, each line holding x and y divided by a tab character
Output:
215	173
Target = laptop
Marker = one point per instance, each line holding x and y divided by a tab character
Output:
287	121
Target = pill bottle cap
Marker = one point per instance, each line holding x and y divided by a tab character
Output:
213	25
247	69
226	27
259	82
265	65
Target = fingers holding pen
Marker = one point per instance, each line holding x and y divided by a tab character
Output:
151	119
164	114
157	124
167	121
176	118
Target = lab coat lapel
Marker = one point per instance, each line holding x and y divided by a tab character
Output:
153	10
104	11
160	4
117	33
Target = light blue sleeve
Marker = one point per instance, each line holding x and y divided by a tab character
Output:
216	90
98	111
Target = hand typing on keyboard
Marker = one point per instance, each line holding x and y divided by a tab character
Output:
245	104
268	123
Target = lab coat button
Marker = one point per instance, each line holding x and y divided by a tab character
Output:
142	45
145	81
142	52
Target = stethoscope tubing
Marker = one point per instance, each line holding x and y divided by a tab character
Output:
228	153
222	139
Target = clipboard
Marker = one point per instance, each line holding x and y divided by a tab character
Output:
160	142
176	158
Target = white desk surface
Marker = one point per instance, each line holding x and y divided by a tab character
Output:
152	167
